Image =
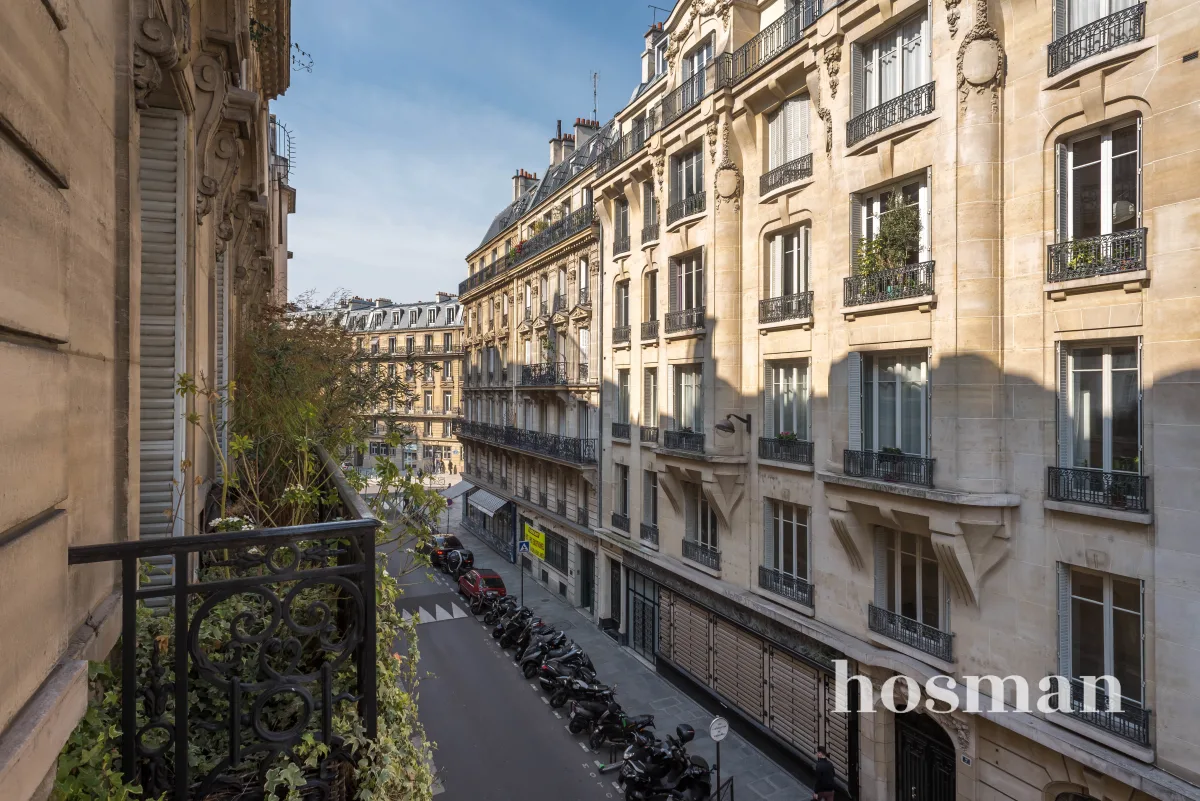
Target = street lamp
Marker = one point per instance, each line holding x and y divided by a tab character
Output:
726	427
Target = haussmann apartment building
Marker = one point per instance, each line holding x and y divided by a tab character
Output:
898	358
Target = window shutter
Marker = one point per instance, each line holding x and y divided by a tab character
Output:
1141	438
673	287
807	400
775	138
1061	195
675	190
769	547
699	377
854	403
807	258
776	280
768	425
928	401
1139	174
857	88
795	131
702	279
1064	620
1064	406
881	543
856	226
668	422
1060	19
803	112
927	222
646	393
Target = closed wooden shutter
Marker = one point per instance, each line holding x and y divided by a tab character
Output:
776	138
796	110
856	227
794	708
1064	620
768	424
1060	18
775	289
691	640
650	397
1065	434
1061	194
738	668
665	628
854	399
673	285
857	87
836	733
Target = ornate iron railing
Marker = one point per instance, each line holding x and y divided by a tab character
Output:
769	43
1131	723
911	104
688	95
256	622
649	533
568	449
1125	26
786	585
560	506
901	468
685	320
649	329
581	515
1097	488
1097	255
546	374
702	554
620	430
560	303
785	307
629	144
650	232
584	296
584	371
620	334
620	521
579	220
542	502
693	204
649	433
897	283
912	633
785	450
683	441
784	174
417	350
621	244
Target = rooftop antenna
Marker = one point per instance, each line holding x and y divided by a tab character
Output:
595	95
666	11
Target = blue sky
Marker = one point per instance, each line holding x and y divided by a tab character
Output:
415	117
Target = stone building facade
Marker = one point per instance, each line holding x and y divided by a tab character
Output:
144	215
531	397
901	370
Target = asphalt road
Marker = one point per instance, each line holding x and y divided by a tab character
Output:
497	739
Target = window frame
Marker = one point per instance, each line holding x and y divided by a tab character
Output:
892	544
650	497
1106	410
681	388
1107	633
789	260
701	524
1105	132
622	489
870	60
621	413
871	400
773	512
785	145
773	406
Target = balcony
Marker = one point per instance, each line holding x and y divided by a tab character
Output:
688	95
581	516
926	639
560	303
897	283
584	297
702	554
629	144
560	506
1131	723
1126	491
574	223
620	430
621	335
785	585
621	244
526	493
650	231
797	451
650	434
544	308
649	330
769	43
649	534
892	112
546	374
1107	254
1126	26
785	307
418	350
899	468
584	372
542	500
555	446
693	204
620	521
684	441
685	320
784	174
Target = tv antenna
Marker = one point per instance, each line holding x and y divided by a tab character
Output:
666	11
595	95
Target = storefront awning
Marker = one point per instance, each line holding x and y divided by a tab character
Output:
486	502
457	489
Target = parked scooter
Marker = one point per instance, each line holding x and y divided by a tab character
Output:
499	609
511	622
664	770
554	674
513	628
541	647
530	634
577	689
611	725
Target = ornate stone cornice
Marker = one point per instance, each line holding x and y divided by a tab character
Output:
699	9
160	43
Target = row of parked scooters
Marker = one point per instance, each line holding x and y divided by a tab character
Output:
651	768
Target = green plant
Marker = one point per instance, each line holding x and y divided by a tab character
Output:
787	436
899	235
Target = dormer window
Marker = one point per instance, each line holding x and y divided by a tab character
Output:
395	318
660	56
412	317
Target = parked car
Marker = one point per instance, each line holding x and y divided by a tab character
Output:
481	582
438	546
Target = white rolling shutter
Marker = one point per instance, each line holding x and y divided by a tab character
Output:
1064	619
793	711
738	668
160	335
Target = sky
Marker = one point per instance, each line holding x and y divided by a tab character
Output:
415	117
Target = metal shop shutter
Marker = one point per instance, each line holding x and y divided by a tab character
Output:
691	639
794	706
836	731
665	600
738	663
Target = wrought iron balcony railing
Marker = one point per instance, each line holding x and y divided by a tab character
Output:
546	374
897	283
527	493
1107	254
713	76
769	43
560	506
685	320
702	554
1098	488
581	516
784	174
1125	26
620	430
620	334
542	502
584	296
693	204
912	633
1132	722
629	144
649	533
620	521
650	434
684	441
892	112
621	244
901	468
649	330
798	451
785	307
568	449
650	232
584	372
560	303
577	221
417	350
785	585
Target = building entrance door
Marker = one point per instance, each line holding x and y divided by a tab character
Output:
643	616
587	579
924	760
614	593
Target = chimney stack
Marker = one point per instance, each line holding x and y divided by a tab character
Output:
585	129
444	297
568	146
521	183
556	150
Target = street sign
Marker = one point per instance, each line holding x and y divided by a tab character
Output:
523	546
718	729
537	541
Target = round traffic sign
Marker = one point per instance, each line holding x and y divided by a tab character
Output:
718	729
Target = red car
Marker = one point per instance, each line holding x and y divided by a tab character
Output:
481	582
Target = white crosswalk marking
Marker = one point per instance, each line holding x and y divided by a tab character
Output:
424	613
442	614
451	611
457	612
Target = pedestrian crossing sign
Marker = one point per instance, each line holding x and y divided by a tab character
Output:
523	546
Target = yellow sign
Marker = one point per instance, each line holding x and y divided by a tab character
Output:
537	541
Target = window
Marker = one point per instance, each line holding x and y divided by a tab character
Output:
787	132
428	371
891	65
873	207
621	305
650	296
585	350
429	428
410	344
689	398
428	401
622	499
374	346
687	283
895	403
1084	12
412	317
621	413
700	520
621	226
562	283
556	551
1104	628
687	176
650	497
445	428
391	344
1103	415
447	370
785	538
582	277
429	343
1102	193
789	260
911	585
786	400
409	371
694	64
447	402
448	341
392	370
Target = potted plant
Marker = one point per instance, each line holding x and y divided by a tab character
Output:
899	235
787	436
890	460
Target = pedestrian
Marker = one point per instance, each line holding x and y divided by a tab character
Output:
823	785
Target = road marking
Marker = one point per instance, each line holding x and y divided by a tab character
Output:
406	615
545	700
598	763
533	687
456	611
425	616
583	746
442	614
558	716
616	786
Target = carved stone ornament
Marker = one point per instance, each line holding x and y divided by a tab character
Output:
712	141
980	60
957	728
833	65
728	180
952	17
703	9
158	46
825	116
660	169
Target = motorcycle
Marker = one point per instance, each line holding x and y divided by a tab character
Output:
483	602
538	648
512	629
611	725
511	622
499	608
555	674
577	689
664	770
531	634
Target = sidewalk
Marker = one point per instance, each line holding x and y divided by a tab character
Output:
640	689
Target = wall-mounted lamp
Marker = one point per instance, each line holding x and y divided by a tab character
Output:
726	427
